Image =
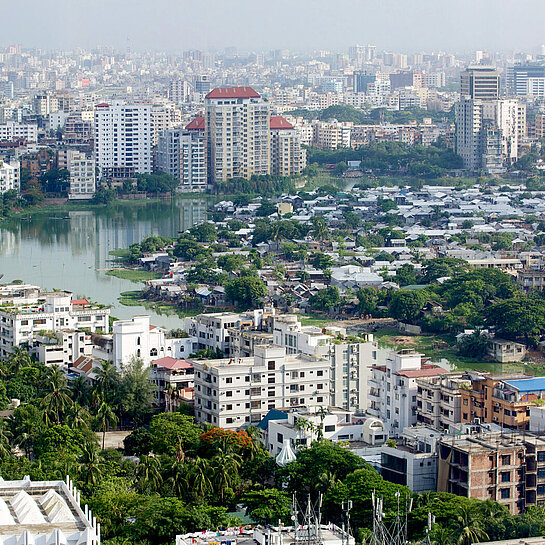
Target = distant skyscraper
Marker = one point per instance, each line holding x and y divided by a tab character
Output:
179	91
527	79
123	135
480	82
203	84
237	133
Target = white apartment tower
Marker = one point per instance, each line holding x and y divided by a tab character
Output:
182	154
237	132
123	139
234	392
82	176
287	156
10	176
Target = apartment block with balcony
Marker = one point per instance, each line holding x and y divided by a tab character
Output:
393	390
231	393
504	400
288	158
237	133
50	312
438	400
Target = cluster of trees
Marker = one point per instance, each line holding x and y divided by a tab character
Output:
417	160
265	185
346	113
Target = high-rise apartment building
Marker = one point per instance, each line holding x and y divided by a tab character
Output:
287	156
237	133
182	154
527	79
179	91
123	139
480	82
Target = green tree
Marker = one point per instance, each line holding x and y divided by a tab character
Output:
326	299
204	232
267	506
246	292
137	390
406	305
173	434
57	400
105	417
148	472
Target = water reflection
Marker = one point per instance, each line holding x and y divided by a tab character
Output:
70	250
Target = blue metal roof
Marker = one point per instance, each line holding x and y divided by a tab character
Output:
528	384
273	414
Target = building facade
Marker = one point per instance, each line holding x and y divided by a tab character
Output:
237	133
231	393
123	139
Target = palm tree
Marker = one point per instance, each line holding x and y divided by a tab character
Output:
56	402
81	393
322	412
19	358
319	229
256	435
90	461
326	481
468	527
106	418
199	473
276	233
149	472
5	434
78	417
179	478
225	468
107	381
441	535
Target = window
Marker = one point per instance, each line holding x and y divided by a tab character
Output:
505	493
320	373
280	438
541	473
229	380
229	394
541	489
270	365
541	456
505	476
506	460
271	380
329	428
228	407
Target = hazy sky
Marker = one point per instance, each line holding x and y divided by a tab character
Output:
431	25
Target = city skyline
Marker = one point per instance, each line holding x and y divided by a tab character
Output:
391	24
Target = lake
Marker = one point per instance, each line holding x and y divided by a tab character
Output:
70	249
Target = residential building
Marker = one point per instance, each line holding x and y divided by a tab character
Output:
331	134
231	393
393	390
351	362
173	379
163	117
506	468
505	351
82	176
438	400
179	91
61	347
288	158
301	427
237	133
43	512
137	338
12	130
57	311
45	104
501	399
182	154
123	139
10	176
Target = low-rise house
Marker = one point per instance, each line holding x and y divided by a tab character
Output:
505	351
174	381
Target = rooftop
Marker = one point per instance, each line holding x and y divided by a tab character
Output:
528	384
278	122
172	363
232	92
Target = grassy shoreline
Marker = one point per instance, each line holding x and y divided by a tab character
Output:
134	275
135	299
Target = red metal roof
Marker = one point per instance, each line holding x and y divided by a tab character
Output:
81	302
278	122
197	124
172	363
233	92
102	105
421	373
